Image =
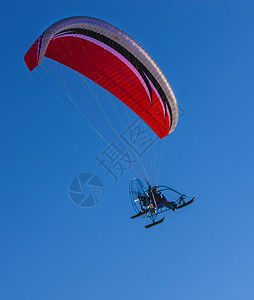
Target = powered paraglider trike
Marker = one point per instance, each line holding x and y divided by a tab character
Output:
150	202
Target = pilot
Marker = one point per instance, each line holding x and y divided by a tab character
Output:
160	198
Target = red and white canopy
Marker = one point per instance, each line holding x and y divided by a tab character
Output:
113	60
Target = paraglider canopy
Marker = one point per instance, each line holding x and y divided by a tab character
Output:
113	60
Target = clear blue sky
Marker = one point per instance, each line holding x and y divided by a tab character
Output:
52	249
